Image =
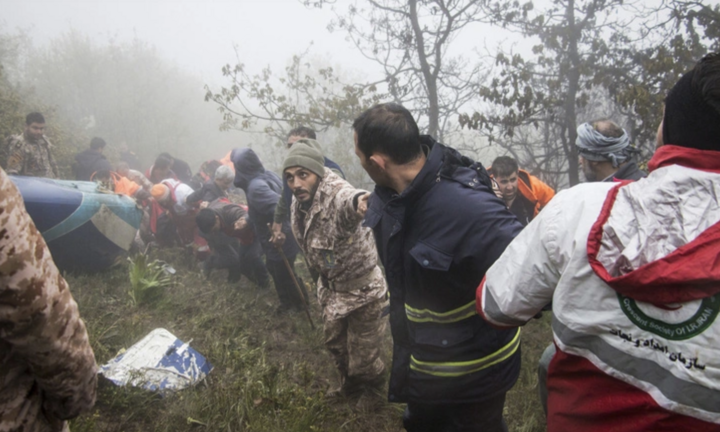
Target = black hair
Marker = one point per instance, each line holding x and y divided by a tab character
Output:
302	131
97	143
34	117
205	220
692	107
504	166
163	161
389	129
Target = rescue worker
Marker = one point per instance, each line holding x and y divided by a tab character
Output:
172	195
214	188
129	157
438	227
632	272
30	153
524	194
91	160
114	182
282	210
47	367
160	170
262	189
605	152
205	173
179	167
136	176
351	287
605	155
231	238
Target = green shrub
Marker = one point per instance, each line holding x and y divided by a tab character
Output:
148	279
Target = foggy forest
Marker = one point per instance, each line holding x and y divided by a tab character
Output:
487	77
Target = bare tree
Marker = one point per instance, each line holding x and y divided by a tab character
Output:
304	95
410	40
545	90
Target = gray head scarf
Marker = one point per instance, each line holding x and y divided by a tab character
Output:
595	146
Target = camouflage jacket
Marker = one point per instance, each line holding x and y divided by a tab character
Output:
338	247
30	158
47	368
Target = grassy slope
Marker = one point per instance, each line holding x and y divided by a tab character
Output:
270	373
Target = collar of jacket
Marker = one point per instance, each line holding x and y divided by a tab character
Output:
704	160
428	175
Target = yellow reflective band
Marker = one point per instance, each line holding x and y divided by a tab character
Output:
455	315
455	369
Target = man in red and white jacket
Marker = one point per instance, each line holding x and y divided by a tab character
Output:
633	274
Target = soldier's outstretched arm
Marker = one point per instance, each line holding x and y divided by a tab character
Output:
39	318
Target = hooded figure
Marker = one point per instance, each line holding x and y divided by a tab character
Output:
633	274
263	189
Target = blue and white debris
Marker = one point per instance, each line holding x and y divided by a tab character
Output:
159	362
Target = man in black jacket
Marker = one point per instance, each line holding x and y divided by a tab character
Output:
232	241
438	227
91	160
214	188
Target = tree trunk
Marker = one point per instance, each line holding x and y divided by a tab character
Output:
574	35
430	78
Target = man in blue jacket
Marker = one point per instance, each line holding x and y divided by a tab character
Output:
438	227
262	189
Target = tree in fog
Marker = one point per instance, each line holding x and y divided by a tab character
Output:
673	37
126	91
410	41
575	41
611	54
307	93
18	98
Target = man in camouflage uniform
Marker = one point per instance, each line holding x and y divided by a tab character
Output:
30	153
351	287
47	368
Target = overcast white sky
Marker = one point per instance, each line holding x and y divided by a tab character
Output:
197	35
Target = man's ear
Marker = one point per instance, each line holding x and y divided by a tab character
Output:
379	160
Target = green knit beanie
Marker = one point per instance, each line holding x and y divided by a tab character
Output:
306	153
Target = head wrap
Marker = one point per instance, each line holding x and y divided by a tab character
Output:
595	146
306	153
690	121
160	192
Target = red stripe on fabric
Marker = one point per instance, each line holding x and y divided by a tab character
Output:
479	308
478	298
581	397
690	272
704	160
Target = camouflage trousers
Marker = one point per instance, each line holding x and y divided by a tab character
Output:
355	342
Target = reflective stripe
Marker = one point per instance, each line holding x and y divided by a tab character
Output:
641	372
455	369
455	315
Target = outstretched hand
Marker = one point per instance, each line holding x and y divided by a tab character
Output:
362	204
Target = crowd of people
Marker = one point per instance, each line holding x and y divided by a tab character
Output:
459	256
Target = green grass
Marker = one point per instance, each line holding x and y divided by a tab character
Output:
270	372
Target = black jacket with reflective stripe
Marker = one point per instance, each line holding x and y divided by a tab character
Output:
436	240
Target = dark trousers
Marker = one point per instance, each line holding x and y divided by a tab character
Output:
284	285
240	260
485	416
251	265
